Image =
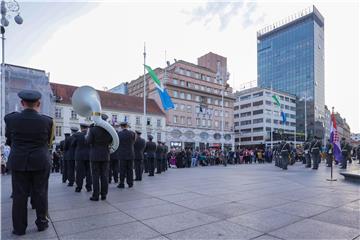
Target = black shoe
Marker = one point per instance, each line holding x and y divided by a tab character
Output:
77	189
103	197
158	173
137	179
116	181
121	186
43	228
151	175
88	189
94	198
18	233
131	185
314	168
70	185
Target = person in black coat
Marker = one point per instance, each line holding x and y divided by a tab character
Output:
65	154
126	155
285	154
315	149
158	156
114	165
99	140
71	156
55	161
30	135
82	159
139	148
150	149
165	159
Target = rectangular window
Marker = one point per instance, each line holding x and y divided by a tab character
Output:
58	113
236	115
158	136
182	95
246	130
73	115
226	114
236	124
226	124
216	113
259	129
245	97
226	103
189	108
236	108
197	98
209	123
138	120
58	132
209	100
188	96
268	103
189	122
198	122
258	138
182	118
175	119
258	103
176	94
258	120
126	118
246	122
216	102
182	83
256	112
148	121
182	107
259	94
114	118
158	122
203	122
245	106
268	120
197	109
175	81
246	139
216	123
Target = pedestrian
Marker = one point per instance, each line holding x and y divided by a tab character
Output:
139	147
99	140
82	159
30	135
55	161
71	156
315	150
126	155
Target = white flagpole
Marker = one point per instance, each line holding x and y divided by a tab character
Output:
272	117
144	95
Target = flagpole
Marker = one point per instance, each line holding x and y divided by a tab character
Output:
332	159
272	121
144	95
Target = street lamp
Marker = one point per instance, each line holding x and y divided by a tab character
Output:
8	8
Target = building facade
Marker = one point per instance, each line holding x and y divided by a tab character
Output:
257	117
290	57
121	89
196	91
117	107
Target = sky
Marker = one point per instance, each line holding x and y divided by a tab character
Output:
101	43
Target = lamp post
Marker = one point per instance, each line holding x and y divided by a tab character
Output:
7	9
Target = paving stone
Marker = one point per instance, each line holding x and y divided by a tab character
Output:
139	203
301	209
266	237
332	200
155	211
227	210
265	202
345	216
201	202
91	222
134	230
312	229
178	222
81	212
31	233
181	196
217	230
265	220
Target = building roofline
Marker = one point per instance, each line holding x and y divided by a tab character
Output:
26	68
237	93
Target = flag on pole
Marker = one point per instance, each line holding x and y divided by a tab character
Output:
164	96
334	138
277	102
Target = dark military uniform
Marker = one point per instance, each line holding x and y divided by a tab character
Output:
329	154
165	157
29	134
315	152
114	165
139	148
62	162
345	152
285	151
150	149
126	157
307	154
158	156
99	140
82	159
71	157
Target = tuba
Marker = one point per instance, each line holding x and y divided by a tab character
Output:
86	103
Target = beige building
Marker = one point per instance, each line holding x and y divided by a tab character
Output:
196	91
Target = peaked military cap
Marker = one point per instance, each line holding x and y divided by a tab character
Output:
138	132
67	134
150	137
29	95
74	129
84	125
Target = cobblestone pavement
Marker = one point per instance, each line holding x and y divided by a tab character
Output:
233	202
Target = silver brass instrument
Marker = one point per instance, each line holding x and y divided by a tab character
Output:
86	103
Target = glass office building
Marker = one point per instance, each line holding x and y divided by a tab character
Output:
290	56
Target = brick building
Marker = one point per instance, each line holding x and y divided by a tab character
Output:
196	90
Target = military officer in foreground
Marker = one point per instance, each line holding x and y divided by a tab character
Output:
150	149
82	159
126	155
71	156
139	148
30	135
65	152
99	140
